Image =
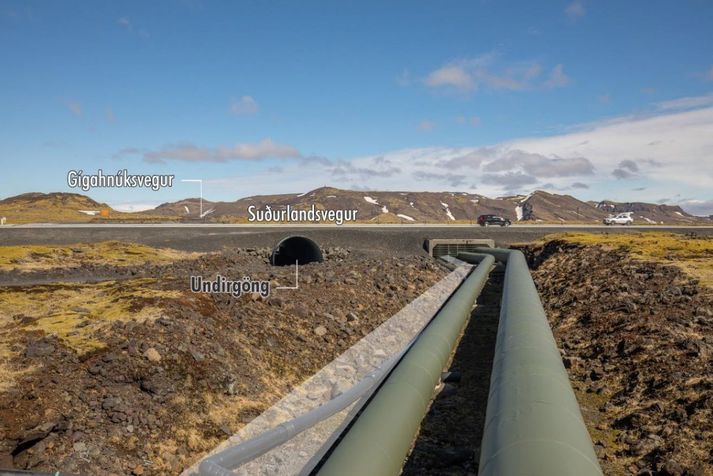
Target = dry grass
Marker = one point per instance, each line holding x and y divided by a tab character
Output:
114	253
9	373
74	313
692	254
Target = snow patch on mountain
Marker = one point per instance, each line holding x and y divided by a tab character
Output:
405	217
371	200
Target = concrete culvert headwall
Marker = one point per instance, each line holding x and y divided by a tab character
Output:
296	249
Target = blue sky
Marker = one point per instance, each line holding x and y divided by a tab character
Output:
268	97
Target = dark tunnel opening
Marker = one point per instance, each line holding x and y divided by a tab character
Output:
296	249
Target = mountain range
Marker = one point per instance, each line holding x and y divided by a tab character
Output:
373	207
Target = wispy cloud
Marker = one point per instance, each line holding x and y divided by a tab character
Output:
126	24
426	126
557	78
686	103
539	165
453	75
187	152
244	106
604	98
74	107
575	10
404	79
708	75
490	72
473	121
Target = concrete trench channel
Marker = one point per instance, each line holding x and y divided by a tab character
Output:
480	390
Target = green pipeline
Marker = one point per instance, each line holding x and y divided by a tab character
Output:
533	424
380	439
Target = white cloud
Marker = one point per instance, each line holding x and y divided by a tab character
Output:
451	75
558	78
672	148
490	72
663	153
246	105
686	103
575	10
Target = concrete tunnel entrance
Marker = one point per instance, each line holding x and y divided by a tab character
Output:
296	249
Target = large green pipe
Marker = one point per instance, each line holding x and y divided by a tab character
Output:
380	439
533	424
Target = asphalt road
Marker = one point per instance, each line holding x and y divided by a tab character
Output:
378	238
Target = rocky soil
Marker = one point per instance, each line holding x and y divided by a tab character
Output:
159	393
637	340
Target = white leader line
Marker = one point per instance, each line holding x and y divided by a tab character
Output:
201	184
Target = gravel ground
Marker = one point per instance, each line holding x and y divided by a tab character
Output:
153	395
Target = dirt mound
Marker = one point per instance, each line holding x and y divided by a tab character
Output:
637	340
170	373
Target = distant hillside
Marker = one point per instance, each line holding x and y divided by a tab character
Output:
650	212
373	207
60	207
50	207
435	207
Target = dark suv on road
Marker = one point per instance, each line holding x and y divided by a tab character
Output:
489	220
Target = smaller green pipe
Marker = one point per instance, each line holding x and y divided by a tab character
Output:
380	439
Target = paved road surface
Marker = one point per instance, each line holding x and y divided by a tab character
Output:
379	238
